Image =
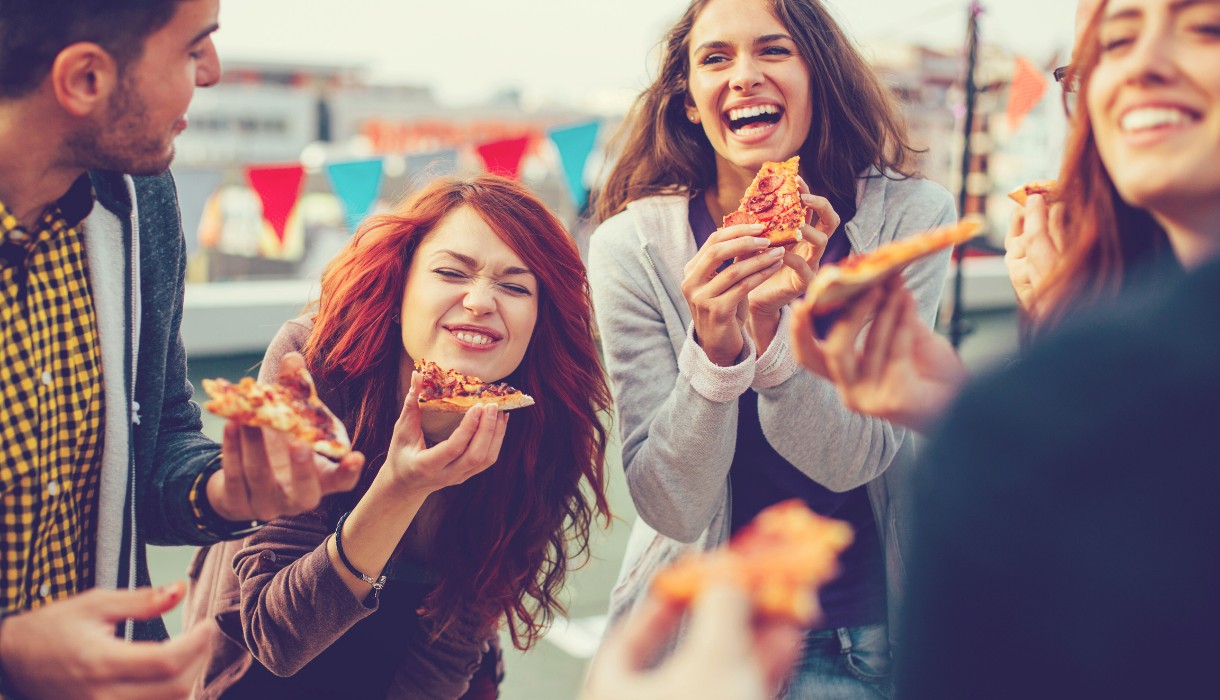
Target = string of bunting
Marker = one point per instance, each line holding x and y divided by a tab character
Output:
357	184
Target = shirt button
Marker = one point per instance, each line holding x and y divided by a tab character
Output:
53	489
46	378
44	590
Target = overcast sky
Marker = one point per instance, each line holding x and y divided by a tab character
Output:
569	49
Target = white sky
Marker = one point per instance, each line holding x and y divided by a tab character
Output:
569	49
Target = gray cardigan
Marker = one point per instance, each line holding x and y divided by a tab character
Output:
677	411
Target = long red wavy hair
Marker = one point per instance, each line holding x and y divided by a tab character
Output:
1110	242
507	537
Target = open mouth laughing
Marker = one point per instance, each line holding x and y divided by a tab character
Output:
753	120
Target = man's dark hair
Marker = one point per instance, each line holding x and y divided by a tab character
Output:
33	32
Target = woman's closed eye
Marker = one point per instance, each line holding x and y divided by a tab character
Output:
450	274
515	289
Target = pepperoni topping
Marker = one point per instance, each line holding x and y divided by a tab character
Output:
740	217
770	183
760	203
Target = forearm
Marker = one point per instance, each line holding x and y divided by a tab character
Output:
678	473
294	602
805	420
763	328
372	532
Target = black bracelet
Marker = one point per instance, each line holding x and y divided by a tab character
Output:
377	583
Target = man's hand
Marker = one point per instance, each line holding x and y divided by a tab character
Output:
67	650
266	474
728	653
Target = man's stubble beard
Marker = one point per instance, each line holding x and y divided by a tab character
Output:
123	139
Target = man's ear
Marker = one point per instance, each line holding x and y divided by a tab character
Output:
83	76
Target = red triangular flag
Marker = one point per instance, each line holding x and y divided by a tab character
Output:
503	157
279	188
1028	87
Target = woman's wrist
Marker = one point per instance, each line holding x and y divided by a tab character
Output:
721	353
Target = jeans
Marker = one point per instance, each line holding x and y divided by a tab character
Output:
847	663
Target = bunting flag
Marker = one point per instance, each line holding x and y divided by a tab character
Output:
1026	91
356	184
278	188
195	187
433	164
575	143
503	157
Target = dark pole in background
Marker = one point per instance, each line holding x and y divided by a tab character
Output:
957	326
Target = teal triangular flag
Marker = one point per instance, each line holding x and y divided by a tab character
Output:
575	143
356	184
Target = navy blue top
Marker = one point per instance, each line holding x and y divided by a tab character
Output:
760	477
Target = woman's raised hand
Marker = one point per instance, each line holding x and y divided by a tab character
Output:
801	262
473	446
1033	248
717	297
903	372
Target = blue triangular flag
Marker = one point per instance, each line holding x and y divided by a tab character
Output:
575	143
357	184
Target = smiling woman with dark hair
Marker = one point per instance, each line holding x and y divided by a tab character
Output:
717	422
466	528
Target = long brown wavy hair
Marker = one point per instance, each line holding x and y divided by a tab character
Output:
1110	241
856	122
508	535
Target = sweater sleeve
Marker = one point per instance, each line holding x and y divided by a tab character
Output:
294	604
841	449
677	413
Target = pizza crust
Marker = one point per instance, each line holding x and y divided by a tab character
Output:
1047	188
461	404
836	285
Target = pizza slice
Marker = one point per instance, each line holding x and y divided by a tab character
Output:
774	199
290	405
780	559
450	391
835	285
1046	188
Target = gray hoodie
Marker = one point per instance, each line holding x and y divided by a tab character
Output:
677	411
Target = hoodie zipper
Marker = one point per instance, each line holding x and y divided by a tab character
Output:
133	407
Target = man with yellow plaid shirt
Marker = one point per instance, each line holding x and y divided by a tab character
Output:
100	444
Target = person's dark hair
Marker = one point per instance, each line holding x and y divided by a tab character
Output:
856	121
33	32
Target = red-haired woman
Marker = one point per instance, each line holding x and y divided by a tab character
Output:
465	531
717	422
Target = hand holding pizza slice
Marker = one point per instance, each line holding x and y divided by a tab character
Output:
780	559
1047	188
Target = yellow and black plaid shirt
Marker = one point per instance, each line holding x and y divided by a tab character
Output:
51	419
